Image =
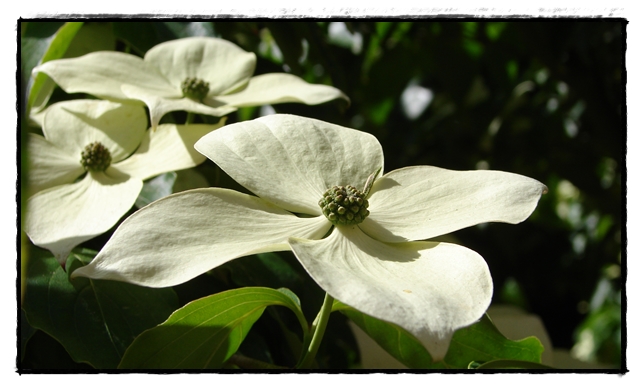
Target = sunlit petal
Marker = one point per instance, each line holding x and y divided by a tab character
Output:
222	64
431	289
169	148
186	234
103	72
291	160
159	105
276	88
421	202
72	125
64	216
50	166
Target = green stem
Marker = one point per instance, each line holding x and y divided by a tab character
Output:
318	328
190	118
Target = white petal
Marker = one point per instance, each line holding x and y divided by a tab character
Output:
291	160
159	105
186	234
431	289
221	63
169	148
64	216
50	166
103	72
421	202
72	125
276	88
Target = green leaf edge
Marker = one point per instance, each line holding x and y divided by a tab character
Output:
288	301
57	48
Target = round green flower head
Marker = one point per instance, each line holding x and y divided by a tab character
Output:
344	205
195	88
95	157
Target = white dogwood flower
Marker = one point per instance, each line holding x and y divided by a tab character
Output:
359	234
88	169
202	75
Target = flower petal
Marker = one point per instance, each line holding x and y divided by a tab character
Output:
421	202
431	289
64	216
103	72
186	234
291	160
50	166
276	88
159	105
221	63
169	148
72	125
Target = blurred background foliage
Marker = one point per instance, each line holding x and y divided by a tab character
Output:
541	98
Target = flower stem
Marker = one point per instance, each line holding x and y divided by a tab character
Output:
190	118
318	328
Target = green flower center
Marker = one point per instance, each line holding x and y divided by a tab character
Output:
344	205
195	88
95	157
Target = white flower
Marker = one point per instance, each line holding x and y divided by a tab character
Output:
381	266
203	75
88	169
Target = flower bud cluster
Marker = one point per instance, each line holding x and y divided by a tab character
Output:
195	88
344	205
95	157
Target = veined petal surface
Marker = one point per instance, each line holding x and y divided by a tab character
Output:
169	148
64	216
274	88
103	72
431	289
290	160
421	202
180	236
221	63
72	125
50	166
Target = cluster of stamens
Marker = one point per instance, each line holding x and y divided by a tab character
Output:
344	205
195	88
95	157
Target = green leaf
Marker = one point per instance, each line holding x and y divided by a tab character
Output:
156	188
480	342
205	332
94	320
39	46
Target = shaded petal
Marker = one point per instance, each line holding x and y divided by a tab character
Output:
169	148
291	160
50	166
221	63
431	289
159	106
103	72
421	202
178	237
276	88
72	125
64	216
